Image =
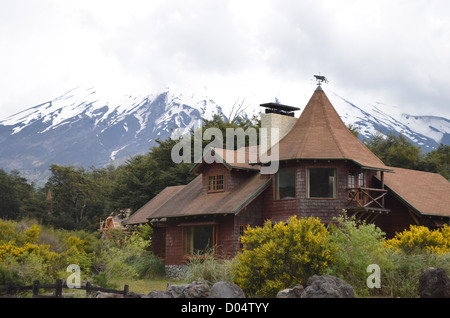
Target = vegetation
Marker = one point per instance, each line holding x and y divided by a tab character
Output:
39	238
269	264
277	256
396	151
29	251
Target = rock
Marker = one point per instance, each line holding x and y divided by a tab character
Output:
434	283
193	290
295	292
327	286
159	294
107	295
226	290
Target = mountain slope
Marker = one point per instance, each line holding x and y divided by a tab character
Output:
84	127
370	118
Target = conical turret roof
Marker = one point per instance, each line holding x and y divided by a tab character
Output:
321	134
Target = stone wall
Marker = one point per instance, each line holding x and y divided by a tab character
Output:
176	271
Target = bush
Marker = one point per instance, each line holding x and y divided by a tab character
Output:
280	256
356	246
208	267
402	280
125	255
419	239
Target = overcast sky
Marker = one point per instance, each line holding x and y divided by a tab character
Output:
395	51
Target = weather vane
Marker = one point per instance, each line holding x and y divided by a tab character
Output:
321	79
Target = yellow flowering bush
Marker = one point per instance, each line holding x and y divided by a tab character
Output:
421	238
21	254
279	256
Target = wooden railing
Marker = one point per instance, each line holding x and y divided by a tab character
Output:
367	197
58	287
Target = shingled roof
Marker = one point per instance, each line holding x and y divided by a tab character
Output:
426	193
191	200
141	215
321	134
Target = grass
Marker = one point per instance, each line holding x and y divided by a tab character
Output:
144	286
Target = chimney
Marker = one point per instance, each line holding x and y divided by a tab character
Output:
277	116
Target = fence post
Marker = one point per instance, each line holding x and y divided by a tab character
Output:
35	288
88	289
58	288
10	289
125	290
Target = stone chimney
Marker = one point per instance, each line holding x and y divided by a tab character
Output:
277	116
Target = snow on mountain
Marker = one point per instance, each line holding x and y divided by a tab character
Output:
85	127
371	118
88	127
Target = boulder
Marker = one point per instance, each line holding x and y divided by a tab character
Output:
327	286
159	294
226	290
295	292
434	283
100	294
193	290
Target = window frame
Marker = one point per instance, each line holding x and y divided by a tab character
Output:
215	182
335	184
276	187
192	254
242	229
358	178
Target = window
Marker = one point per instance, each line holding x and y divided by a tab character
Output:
242	229
355	180
216	183
198	240
322	183
285	184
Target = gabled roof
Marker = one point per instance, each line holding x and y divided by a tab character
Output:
237	159
141	215
426	193
191	200
321	134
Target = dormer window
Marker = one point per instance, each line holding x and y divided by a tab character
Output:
216	183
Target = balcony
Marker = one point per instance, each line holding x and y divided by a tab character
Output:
366	203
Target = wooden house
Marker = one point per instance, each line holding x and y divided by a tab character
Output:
323	170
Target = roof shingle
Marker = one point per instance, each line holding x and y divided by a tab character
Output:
321	134
427	193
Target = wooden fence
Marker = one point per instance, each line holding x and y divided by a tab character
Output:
58	287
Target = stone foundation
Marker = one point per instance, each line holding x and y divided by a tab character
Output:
176	271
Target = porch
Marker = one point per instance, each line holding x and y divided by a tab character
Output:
366	204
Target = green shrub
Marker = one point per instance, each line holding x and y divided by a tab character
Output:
402	280
356	246
282	255
208	267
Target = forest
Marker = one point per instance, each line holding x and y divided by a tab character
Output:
82	196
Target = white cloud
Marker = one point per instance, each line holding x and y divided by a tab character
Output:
395	51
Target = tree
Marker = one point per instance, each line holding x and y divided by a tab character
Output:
396	151
143	176
18	198
439	161
78	200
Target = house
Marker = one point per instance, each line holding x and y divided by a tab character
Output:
323	169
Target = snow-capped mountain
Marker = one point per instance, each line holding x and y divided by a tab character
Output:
372	118
85	127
